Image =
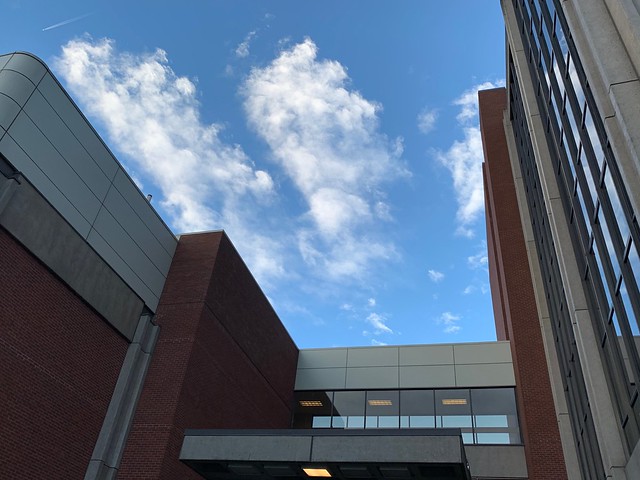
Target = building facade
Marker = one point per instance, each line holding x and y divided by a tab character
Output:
128	352
566	130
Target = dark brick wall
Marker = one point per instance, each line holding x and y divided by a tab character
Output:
59	362
223	359
511	282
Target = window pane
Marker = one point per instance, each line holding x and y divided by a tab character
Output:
312	410
348	410
453	410
495	415
383	409
417	409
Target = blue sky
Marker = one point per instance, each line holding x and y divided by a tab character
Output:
337	143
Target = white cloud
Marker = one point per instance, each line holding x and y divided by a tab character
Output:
464	158
371	302
242	50
452	329
152	116
469	289
377	343
377	321
449	321
427	120
435	276
326	138
480	259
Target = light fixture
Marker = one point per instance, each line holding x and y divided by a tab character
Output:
454	401
310	403
316	472
379	403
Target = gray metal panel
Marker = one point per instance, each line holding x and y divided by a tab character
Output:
16	86
372	377
485	375
493	352
40	150
58	133
28	65
120	266
31	219
120	240
25	164
323	358
76	122
430	376
138	230
4	59
8	111
372	357
137	201
321	379
426	355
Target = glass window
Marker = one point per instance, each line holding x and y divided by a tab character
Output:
453	410
575	81
608	240
383	409
562	39
495	416
312	410
593	136
615	203
485	415
417	409
624	295
348	410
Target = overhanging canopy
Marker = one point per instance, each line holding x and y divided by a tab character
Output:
434	454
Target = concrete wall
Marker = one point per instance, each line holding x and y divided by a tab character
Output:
46	137
419	366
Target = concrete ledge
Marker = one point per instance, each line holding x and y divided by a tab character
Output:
418	453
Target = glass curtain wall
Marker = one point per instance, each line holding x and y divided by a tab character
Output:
484	415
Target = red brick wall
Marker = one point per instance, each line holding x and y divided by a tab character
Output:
511	282
223	359
59	362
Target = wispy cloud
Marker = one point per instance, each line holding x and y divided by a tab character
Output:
435	276
378	322
152	116
469	289
450	322
427	120
67	22
371	302
464	160
480	259
377	343
326	138
242	50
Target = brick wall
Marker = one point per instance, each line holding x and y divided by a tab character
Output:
511	283
223	359
59	362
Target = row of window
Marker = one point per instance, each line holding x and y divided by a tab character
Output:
486	415
604	229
